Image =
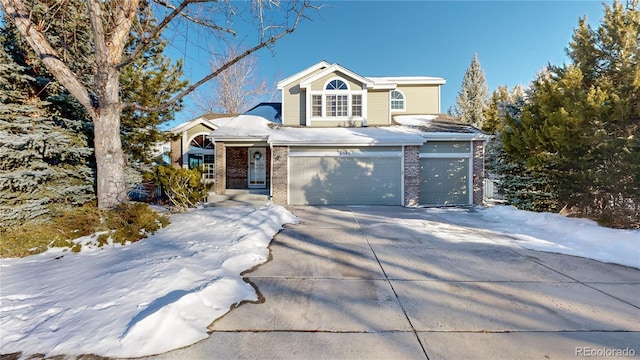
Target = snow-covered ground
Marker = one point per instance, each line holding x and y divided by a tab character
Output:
161	293
551	232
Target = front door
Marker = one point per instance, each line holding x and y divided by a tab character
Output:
257	168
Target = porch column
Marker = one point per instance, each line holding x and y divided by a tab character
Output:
221	167
411	165
279	175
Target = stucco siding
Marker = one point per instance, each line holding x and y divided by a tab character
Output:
421	99
378	108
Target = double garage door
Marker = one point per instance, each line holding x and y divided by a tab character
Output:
345	176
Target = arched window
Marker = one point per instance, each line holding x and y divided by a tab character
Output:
337	84
202	154
397	100
201	142
337	100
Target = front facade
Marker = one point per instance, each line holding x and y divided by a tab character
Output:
346	139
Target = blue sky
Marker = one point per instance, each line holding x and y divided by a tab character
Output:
513	39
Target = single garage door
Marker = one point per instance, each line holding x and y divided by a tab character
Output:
445	173
345	176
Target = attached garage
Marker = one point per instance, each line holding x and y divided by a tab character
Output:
445	173
345	176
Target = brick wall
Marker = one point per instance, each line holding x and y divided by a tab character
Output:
221	163
237	167
280	175
411	175
478	172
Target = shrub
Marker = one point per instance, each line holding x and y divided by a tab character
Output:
183	187
126	223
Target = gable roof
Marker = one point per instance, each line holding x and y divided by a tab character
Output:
304	73
323	68
210	120
336	68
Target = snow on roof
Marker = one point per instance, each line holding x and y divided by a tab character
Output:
441	127
256	127
408	80
356	136
242	127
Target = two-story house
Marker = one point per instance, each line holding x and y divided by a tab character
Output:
346	139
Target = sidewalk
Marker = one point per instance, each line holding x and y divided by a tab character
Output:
349	283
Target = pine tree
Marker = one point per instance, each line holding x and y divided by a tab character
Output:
43	156
149	81
581	126
472	97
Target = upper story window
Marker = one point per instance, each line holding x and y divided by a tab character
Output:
397	101
336	100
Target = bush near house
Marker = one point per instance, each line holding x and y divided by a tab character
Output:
183	187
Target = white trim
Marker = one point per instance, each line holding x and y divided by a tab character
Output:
445	155
330	142
288	175
471	178
347	154
336	68
287	81
324	93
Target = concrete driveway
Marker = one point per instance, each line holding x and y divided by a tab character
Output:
358	283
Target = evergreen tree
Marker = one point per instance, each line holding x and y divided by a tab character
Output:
43	155
581	126
472	97
149	81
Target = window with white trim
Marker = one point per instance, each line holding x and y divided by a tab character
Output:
356	105
397	101
336	100
316	105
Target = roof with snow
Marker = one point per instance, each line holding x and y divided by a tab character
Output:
411	130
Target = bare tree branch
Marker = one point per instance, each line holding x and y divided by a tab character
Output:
262	44
196	21
145	43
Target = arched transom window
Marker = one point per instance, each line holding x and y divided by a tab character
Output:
336	85
397	100
336	101
201	154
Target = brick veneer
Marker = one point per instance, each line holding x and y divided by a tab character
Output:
478	172
279	175
411	175
237	167
221	164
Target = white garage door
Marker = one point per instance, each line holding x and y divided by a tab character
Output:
345	176
445	173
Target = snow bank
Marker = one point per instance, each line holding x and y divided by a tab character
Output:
141	299
553	233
